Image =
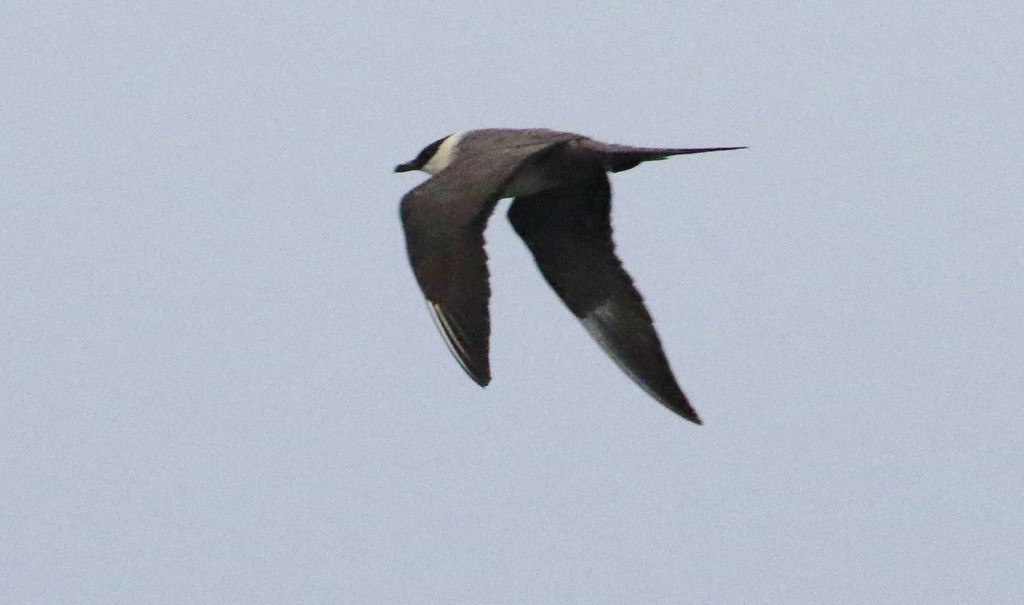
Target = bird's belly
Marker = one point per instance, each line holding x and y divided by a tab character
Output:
530	180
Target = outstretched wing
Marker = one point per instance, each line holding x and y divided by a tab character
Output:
568	230
444	220
445	241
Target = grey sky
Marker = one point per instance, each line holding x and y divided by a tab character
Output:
218	382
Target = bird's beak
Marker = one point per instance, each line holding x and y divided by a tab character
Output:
406	167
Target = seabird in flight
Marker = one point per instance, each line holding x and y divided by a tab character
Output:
562	211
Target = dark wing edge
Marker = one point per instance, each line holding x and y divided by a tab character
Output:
624	329
445	245
454	336
568	230
444	219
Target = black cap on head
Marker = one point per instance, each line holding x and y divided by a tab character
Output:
422	158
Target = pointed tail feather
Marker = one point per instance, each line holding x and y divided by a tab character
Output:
628	157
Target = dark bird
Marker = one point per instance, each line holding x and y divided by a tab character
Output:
562	211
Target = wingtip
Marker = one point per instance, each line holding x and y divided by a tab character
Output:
681	409
688	413
684	409
680	406
479	375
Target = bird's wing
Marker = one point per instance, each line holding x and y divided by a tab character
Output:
444	220
568	230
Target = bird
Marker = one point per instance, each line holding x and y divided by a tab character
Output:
561	209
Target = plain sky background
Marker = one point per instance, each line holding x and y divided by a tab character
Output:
219	384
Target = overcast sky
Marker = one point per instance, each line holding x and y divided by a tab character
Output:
219	384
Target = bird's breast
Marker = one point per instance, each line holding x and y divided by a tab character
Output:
531	179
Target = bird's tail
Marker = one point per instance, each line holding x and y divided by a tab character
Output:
627	157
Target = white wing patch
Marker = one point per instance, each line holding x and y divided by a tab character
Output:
601	324
451	334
